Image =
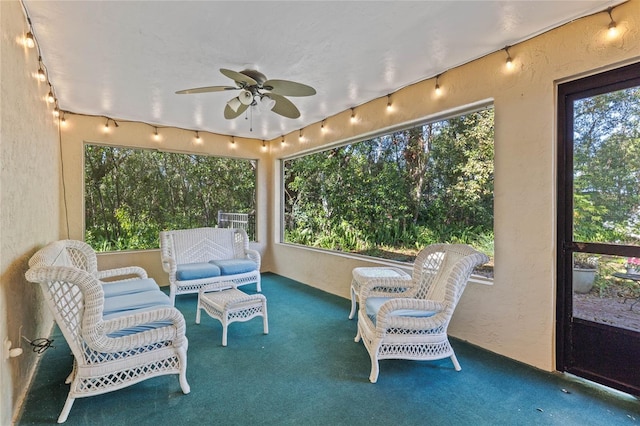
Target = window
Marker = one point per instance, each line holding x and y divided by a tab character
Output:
393	194
133	194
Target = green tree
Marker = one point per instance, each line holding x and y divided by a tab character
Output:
131	194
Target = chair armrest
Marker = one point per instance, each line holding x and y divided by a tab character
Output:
253	255
387	287
386	317
169	265
97	337
130	270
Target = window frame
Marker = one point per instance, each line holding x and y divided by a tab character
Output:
440	116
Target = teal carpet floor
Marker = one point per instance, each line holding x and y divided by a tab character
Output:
309	371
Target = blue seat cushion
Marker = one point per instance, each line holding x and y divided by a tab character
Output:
197	271
139	328
119	288
373	305
115	306
235	266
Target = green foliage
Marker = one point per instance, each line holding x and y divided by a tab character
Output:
396	192
131	194
607	167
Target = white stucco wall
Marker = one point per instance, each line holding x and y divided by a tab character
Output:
29	201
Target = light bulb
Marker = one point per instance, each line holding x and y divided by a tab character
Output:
29	41
50	98
56	112
353	115
438	90
509	63
41	75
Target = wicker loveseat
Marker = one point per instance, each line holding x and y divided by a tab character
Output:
200	257
120	332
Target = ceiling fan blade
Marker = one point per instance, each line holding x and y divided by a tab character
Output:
288	88
206	89
284	106
241	79
230	114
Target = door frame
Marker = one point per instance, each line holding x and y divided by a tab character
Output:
571	331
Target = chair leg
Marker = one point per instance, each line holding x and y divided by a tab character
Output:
456	364
184	385
353	303
198	313
265	320
373	377
65	410
224	328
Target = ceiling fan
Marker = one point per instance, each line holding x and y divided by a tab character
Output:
256	90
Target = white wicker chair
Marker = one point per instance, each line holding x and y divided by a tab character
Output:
412	324
111	350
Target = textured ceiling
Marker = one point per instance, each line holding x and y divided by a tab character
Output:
126	59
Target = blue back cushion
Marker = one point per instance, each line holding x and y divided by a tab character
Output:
196	271
235	266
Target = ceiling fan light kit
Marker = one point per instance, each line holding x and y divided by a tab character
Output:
256	90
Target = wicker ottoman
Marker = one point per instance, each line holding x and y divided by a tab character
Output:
231	305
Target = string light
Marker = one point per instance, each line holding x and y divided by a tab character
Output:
322	128
41	74
264	145
300	136
197	137
106	126
282	140
613	30
389	103
437	88
156	135
233	140
63	120
50	98
353	115
509	62
56	111
29	40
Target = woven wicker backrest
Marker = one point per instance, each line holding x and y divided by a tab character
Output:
442	271
73	294
203	244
